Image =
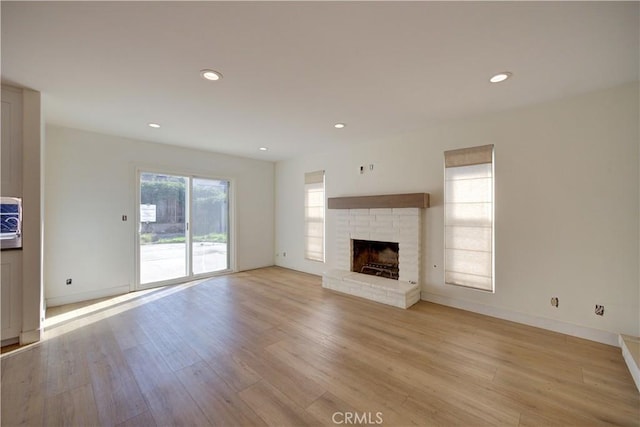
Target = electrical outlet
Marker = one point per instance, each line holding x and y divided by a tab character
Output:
599	310
69	281
284	254
555	302
361	170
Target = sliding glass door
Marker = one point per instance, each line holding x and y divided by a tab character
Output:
183	227
210	219
163	227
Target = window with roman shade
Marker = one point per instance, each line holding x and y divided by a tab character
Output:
468	217
314	215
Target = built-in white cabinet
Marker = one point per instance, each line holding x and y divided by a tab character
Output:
11	273
11	142
11	294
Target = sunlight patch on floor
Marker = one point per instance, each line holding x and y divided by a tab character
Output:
67	318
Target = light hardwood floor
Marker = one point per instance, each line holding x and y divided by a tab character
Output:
271	347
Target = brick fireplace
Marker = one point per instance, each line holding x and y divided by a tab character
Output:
390	227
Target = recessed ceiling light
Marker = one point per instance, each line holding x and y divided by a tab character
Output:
154	125
263	148
339	125
211	75
500	77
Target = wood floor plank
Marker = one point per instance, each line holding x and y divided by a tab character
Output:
168	401
127	330
118	397
219	402
354	384
437	383
274	407
74	407
142	420
329	410
67	366
23	387
271	346
233	370
561	396
432	410
294	384
559	419
615	385
167	339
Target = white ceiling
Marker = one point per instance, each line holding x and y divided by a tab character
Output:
293	69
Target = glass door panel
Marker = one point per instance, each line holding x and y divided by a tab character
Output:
210	225
163	227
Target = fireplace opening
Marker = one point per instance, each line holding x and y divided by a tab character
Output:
375	258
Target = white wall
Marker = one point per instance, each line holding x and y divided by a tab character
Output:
567	208
90	184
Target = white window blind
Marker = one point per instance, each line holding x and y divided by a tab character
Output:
468	217
314	215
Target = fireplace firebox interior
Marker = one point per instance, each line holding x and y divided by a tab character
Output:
375	258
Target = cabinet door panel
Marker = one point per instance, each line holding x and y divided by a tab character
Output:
11	142
10	298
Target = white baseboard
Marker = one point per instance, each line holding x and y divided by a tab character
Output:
10	341
592	334
28	337
631	363
85	296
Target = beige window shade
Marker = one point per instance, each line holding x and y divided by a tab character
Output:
314	177
468	156
314	215
469	231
